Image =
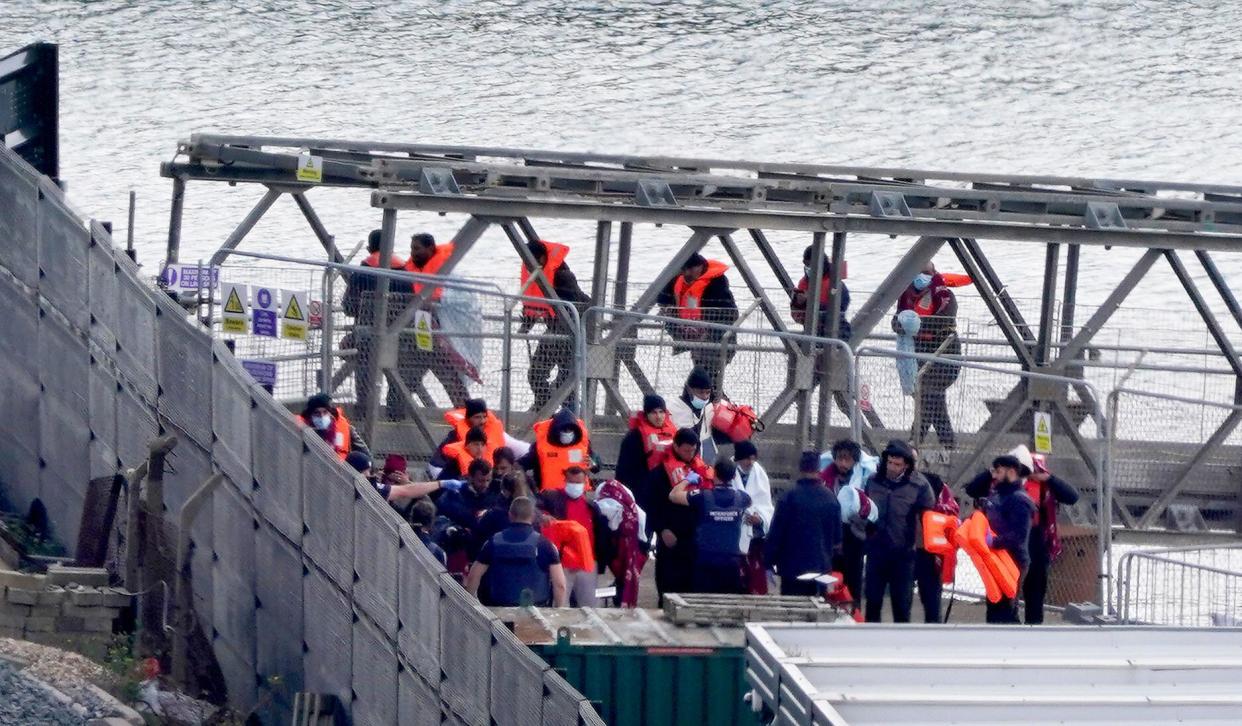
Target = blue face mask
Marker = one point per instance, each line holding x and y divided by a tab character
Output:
921	281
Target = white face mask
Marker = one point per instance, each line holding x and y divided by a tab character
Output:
566	437
698	403
321	421
574	491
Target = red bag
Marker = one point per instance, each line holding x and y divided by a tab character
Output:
739	423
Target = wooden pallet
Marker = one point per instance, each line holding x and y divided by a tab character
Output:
707	609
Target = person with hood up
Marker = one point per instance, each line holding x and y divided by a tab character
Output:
1047	491
643	446
752	478
560	442
806	530
674	525
719	518
929	569
845	469
332	425
701	293
695	409
1009	510
901	495
930	296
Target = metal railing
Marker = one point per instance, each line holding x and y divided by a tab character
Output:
1183	586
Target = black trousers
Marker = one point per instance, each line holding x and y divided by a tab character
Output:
791	586
850	564
674	568
719	575
1006	611
934	412
927	575
711	360
549	354
1035	586
892	572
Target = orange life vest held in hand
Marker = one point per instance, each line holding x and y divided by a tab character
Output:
339	433
996	567
655	440
456	451
438	258
690	295
556	257
573	541
939	532
394	262
677	470
493	427
555	458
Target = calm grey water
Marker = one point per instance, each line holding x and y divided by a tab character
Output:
1104	87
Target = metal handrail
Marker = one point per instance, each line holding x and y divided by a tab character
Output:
1130	572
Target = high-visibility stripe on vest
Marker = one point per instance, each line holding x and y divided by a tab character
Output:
690	295
556	257
339	439
996	567
655	440
456	451
555	458
438	258
394	262
677	470
493	427
573	542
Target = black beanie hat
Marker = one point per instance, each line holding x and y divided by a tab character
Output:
475	406
808	463
699	378
694	260
319	400
653	402
685	436
744	450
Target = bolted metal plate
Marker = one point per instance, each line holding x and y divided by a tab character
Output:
19	205
417	703
277	460
465	654
517	680
233	571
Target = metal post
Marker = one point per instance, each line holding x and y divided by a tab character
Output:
1069	295
828	355
173	250
317	226
326	333
621	284
810	326
599	296
129	227
380	343
1043	346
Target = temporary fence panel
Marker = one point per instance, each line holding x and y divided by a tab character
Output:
516	680
1181	586
418	582
465	654
417	703
279	592
376	550
375	676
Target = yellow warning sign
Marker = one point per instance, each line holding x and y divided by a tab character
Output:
234	303
233	313
1043	432
310	168
422	331
293	319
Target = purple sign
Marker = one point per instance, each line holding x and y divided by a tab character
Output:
263	322
263	372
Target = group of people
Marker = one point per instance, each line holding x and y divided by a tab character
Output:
699	294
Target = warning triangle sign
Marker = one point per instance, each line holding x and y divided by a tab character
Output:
1043	426
293	311
234	304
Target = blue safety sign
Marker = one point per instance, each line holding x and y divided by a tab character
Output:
264	312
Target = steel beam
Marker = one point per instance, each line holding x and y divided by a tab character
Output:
1007	421
1222	287
407	397
1047	305
810	327
173	250
1000	313
465	238
774	262
829	354
1209	318
1179	482
599	279
752	282
667	275
621	284
885	296
317	226
993	280
248	222
528	260
1074	347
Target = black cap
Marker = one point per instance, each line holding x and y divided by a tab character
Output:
357	459
653	402
694	260
685	436
897	447
808	463
699	378
319	400
475	406
476	434
744	450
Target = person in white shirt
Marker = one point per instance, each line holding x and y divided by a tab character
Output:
753	479
694	410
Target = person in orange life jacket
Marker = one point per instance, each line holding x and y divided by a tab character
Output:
927	566
805	532
422	519
930	296
1009	510
332	426
524	567
719	515
695	408
554	351
459	455
674	525
464	505
460	420
799	302
643	446
359	304
573	505
845	472
901	495
426	257
1047	491
560	442
752	478
701	293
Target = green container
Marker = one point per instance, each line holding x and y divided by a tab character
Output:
676	685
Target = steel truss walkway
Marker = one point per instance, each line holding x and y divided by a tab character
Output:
718	199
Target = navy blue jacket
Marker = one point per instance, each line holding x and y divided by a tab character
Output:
718	513
805	530
1009	511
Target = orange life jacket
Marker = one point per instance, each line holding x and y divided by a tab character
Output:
339	441
456	451
556	257
655	440
938	532
996	567
554	458
438	258
677	470
956	279
494	429
573	542
372	260
690	295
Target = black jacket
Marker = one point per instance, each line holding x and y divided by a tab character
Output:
805	530
562	418
901	504
1009	511
632	468
663	514
717	303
